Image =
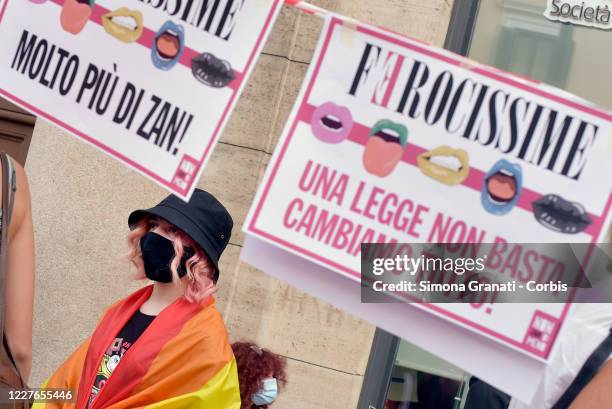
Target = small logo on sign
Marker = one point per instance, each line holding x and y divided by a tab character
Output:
185	172
541	332
590	13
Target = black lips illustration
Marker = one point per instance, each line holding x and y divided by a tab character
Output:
211	71
560	215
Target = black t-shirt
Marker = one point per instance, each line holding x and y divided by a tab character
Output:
123	341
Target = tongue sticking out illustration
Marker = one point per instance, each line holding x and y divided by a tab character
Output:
75	14
385	147
502	187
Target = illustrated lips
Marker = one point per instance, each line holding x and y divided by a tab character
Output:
331	123
75	14
502	187
212	71
445	164
167	46
385	147
560	215
123	24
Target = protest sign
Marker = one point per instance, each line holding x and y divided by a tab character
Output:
476	355
150	83
392	140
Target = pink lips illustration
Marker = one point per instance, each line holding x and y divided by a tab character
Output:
331	123
75	14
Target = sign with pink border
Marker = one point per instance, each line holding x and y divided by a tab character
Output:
392	140
152	84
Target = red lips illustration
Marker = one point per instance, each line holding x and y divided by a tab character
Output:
75	14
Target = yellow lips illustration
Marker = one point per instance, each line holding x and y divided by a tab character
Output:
123	24
445	164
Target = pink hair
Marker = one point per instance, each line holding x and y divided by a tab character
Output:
199	267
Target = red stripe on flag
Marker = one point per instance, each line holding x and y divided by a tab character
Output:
136	361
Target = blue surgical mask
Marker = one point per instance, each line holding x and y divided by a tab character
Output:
267	394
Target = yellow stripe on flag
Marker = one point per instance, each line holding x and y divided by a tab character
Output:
220	392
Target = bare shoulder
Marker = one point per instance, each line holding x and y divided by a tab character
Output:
22	204
19	170
597	394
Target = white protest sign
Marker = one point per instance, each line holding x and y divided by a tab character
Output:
511	371
152	83
395	141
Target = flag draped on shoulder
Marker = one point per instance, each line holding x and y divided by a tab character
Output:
182	360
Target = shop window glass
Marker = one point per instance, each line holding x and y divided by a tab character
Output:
514	35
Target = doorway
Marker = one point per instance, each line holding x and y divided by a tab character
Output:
16	128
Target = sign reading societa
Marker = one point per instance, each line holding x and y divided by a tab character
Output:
590	13
394	141
152	83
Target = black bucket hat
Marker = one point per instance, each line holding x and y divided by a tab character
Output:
203	218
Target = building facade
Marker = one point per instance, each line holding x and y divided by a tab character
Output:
81	198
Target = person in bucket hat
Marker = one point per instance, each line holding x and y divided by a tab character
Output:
164	346
203	220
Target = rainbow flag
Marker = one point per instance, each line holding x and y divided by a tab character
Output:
182	360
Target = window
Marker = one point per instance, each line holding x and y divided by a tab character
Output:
515	36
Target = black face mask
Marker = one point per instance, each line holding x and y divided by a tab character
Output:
157	253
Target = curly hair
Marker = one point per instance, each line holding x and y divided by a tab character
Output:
199	268
254	365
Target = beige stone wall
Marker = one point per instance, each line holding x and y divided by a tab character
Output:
81	200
